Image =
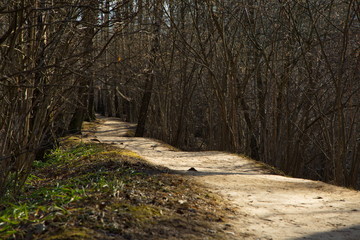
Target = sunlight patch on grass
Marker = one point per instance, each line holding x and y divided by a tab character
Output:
121	152
73	234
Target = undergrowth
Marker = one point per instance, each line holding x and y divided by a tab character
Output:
95	191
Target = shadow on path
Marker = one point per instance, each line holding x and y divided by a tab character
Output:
338	234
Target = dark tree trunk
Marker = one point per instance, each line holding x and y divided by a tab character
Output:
140	130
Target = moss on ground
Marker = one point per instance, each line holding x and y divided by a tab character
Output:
72	233
97	191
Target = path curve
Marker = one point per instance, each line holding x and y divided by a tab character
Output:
268	206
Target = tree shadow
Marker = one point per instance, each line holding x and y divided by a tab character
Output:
206	173
348	233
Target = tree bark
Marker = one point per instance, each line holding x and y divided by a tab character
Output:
152	75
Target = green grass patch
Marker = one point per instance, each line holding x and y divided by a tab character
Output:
64	155
129	133
97	191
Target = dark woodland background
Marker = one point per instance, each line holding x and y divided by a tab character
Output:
276	80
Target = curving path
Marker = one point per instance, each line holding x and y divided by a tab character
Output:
268	206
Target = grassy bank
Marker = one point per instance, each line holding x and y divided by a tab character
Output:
96	191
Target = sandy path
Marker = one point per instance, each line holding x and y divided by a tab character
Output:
268	206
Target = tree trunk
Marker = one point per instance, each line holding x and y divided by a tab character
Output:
152	75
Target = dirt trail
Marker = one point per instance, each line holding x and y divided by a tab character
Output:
268	206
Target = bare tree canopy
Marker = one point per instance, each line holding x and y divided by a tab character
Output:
276	80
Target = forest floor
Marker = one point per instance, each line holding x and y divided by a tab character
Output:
266	205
